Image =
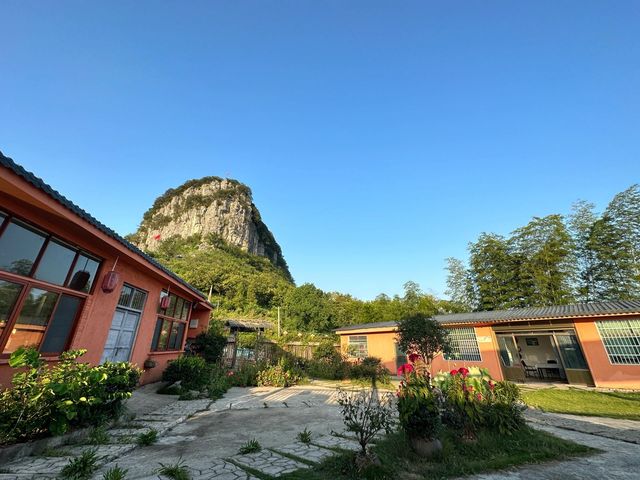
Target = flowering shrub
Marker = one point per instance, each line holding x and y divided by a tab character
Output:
419	407
404	370
474	400
49	400
191	371
277	376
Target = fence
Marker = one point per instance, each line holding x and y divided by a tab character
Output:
265	351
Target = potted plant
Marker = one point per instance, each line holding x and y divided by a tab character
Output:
419	414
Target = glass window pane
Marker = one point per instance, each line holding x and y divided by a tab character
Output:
358	346
164	335
138	300
173	337
8	295
55	263
32	322
61	325
180	336
156	335
508	351
84	273
463	344
185	310
571	352
179	305
19	248
125	296
172	306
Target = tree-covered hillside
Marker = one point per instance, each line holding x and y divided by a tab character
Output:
554	260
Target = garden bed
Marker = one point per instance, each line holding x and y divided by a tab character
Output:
490	452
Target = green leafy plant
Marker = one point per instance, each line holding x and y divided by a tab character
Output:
246	375
98	436
304	436
422	335
191	371
366	413
80	468
48	400
419	407
147	438
371	370
209	344
252	446
281	375
176	471
115	473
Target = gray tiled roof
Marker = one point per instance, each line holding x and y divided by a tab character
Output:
578	310
69	205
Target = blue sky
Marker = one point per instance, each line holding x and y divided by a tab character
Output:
378	138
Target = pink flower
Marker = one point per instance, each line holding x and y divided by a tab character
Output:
405	369
479	396
414	357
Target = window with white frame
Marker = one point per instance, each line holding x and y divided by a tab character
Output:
358	346
621	339
464	345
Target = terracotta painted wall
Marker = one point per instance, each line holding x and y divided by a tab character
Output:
94	321
488	353
382	345
604	373
379	344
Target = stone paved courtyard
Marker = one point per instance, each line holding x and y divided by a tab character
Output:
206	436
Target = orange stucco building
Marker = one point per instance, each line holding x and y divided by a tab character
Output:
68	282
596	344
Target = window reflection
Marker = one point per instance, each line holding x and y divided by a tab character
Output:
32	322
55	263
19	248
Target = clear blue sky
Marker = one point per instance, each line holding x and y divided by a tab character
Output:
379	138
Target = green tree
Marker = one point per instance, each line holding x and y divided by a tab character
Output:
581	225
545	254
421	334
308	309
460	288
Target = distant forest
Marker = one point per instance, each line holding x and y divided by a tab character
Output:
554	260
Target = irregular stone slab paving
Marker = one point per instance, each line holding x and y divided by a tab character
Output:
269	463
616	429
31	466
619	461
105	453
330	441
216	469
311	453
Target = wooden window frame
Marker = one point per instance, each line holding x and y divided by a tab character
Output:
172	320
48	237
27	284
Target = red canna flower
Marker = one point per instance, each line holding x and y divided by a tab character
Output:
453	373
414	357
405	369
463	371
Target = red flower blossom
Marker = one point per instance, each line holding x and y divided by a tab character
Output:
414	357
470	388
453	373
491	385
405	369
479	396
463	371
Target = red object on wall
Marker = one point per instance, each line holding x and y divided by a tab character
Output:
164	302
110	281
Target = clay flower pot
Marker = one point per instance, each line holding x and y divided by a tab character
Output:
424	447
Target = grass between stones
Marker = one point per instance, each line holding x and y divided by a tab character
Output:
491	452
585	402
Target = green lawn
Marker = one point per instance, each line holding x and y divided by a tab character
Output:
490	452
585	402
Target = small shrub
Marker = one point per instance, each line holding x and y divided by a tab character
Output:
304	436
277	376
209	345
192	372
326	351
176	471
147	438
246	375
366	413
372	370
115	473
51	399
419	407
98	436
80	468
252	446
219	382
